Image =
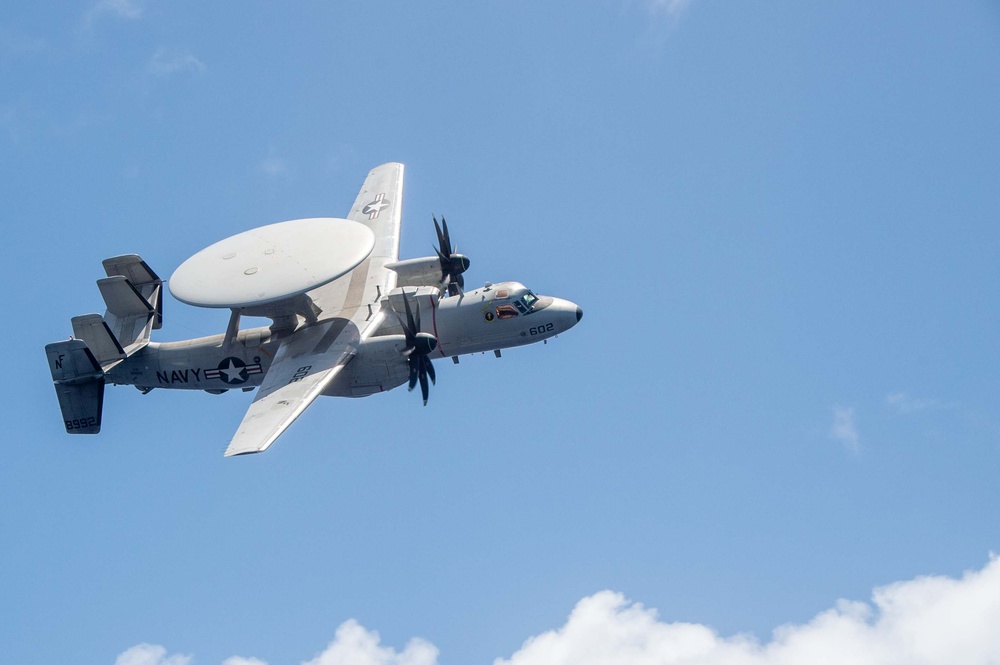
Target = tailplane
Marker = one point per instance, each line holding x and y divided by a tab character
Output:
133	294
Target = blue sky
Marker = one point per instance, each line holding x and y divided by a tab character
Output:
779	218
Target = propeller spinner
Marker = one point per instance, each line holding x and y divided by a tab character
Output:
419	346
453	264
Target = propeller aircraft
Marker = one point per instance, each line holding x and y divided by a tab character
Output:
348	318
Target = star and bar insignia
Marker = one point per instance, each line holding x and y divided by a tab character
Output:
375	207
232	370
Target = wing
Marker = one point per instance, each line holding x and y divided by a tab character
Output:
311	357
378	207
306	362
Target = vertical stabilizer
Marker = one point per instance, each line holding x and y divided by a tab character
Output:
133	294
79	384
103	344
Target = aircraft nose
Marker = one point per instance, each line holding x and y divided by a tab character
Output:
579	313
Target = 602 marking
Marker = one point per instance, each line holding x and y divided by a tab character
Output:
541	330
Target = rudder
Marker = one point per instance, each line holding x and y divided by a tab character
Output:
134	296
79	384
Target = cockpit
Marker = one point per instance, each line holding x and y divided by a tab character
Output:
525	303
512	299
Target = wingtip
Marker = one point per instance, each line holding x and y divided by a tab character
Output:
238	453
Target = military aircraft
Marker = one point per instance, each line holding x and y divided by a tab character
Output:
348	318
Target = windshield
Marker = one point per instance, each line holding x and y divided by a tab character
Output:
528	300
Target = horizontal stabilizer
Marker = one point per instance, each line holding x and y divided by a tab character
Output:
79	384
92	329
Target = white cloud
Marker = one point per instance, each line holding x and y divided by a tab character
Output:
130	9
669	7
238	660
904	403
355	645
170	61
927	621
844	429
150	654
275	166
123	9
604	628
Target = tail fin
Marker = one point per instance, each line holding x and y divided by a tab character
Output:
79	383
134	296
103	344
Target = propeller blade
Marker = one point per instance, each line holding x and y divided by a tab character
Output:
444	246
452	263
430	370
418	346
447	237
424	388
414	370
413	327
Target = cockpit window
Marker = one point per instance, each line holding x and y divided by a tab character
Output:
506	312
502	293
528	300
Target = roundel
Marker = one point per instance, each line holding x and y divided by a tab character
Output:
232	370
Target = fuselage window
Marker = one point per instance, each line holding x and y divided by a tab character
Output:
506	312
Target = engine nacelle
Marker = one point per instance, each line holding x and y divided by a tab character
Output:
378	366
425	271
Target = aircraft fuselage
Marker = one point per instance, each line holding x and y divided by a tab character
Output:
491	318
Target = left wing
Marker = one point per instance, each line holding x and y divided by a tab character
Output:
306	362
310	358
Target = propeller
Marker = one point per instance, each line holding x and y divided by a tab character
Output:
453	264
419	346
